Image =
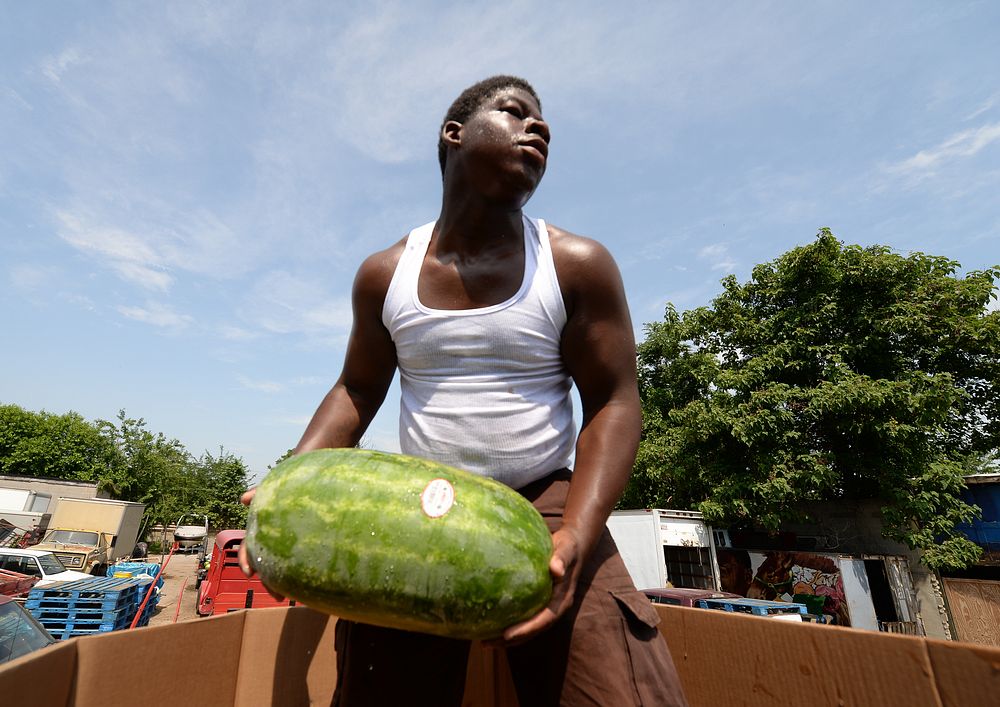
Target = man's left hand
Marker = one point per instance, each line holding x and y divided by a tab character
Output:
564	566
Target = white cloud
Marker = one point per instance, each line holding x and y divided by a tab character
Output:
283	303
154	240
235	333
311	381
962	144
718	255
55	67
985	107
128	254
294	420
29	278
260	386
18	99
157	314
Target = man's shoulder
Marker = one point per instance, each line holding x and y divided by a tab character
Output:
574	254
377	269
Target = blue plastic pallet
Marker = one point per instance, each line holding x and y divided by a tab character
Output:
92	588
91	604
105	623
101	625
42	609
71	612
61	630
94	595
757	607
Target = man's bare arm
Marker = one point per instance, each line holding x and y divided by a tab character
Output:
369	365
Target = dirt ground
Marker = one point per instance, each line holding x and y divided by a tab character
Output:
179	580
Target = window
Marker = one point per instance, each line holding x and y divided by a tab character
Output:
72	537
40	503
51	564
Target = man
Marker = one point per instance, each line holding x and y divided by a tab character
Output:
490	317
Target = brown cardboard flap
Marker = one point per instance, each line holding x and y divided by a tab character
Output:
192	664
288	658
729	659
967	675
44	677
285	658
488	682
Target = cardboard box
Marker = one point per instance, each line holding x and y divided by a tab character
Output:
285	656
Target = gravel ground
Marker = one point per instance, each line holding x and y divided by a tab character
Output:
179	579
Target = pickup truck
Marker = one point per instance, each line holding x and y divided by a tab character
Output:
37	563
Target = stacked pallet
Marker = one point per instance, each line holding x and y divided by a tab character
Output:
88	606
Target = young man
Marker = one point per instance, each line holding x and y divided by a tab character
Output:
490	317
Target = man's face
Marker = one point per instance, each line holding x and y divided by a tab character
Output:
505	143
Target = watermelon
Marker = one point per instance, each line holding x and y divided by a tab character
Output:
397	541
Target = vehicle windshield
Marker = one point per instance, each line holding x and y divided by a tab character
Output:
71	537
20	634
51	564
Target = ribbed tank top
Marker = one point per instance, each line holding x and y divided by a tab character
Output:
484	389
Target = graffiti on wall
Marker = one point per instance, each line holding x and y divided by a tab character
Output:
786	576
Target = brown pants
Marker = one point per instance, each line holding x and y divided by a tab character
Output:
605	651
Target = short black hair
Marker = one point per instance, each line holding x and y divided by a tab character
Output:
469	101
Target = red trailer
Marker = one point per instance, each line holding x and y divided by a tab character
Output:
15	584
224	587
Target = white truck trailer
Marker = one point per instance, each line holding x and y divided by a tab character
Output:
90	534
664	548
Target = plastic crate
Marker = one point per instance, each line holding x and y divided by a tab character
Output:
133	569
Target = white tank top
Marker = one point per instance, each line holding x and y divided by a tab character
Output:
484	389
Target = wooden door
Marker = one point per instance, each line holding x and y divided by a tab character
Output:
975	607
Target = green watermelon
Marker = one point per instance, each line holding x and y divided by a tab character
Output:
397	541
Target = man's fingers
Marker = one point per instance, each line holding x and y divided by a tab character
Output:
247	497
244	560
526	629
243	557
557	568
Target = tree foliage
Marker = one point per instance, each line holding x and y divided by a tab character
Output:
835	372
129	461
56	446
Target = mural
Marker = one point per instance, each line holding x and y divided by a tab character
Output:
814	580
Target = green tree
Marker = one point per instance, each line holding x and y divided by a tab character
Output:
835	372
287	455
149	468
222	480
52	446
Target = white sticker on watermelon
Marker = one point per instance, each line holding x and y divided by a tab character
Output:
437	498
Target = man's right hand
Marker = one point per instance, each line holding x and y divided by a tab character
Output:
241	555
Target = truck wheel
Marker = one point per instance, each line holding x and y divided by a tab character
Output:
99	570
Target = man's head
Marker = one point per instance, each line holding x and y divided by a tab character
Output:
472	98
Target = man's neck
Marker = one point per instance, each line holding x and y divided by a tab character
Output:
469	226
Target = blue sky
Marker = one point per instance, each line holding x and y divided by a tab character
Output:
187	188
